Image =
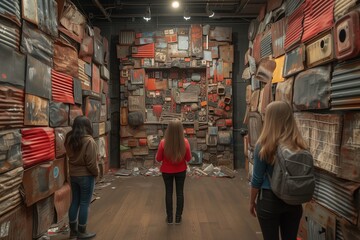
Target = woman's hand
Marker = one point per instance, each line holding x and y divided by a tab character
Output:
253	209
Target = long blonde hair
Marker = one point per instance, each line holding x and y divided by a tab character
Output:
279	129
174	148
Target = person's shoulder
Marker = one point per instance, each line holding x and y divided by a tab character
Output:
88	139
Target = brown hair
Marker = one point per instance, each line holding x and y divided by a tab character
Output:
279	129
174	148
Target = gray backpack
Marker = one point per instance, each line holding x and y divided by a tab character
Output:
293	179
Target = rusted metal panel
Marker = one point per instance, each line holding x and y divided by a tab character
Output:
95	81
10	33
10	150
342	7
347	231
98	56
345	88
77	91
284	91
221	34
38	78
74	112
322	132
62	201
278	72
136	103
255	127
196	39
312	88
320	50
273	4
144	51
11	9
85	79
36	111
38	145
294	61
292	5
174	52
257	48
183	42
126	37
318	17
294	29
16	224
37	44
86	51
137	76
42	180
60	134
337	195
320	222
227	53
66	58
12	70
266	44
62	87
266	98
11	107
72	22
278	32
254	101
43	216
92	109
59	114
9	189
350	150
347	30
253	28
265	70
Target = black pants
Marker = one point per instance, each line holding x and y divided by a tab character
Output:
169	186
273	213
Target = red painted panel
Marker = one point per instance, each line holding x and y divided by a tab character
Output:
62	87
145	51
38	145
318	17
294	29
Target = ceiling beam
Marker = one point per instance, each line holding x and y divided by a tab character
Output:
98	4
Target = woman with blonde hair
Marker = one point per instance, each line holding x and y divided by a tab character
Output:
273	214
174	152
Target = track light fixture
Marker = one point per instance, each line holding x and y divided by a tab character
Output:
209	12
147	16
175	4
186	14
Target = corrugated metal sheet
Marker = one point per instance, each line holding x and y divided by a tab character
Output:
339	231
36	111
10	150
66	59
62	87
43	216
16	223
9	190
345	86
74	112
38	78
60	134
312	89
318	17
256	50
126	37
11	107
11	9
292	5
85	79
278	32
347	30
62	201
253	28
59	114
13	69
266	44
10	34
255	128
294	61
273	4
145	51
294	29
337	195
43	180
347	231
350	148
37	43
342	7
92	109
322	132
320	50
38	145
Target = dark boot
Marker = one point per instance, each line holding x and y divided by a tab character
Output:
83	234
169	219
73	230
177	219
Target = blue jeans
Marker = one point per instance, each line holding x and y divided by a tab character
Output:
82	189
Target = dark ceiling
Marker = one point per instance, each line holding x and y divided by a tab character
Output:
120	10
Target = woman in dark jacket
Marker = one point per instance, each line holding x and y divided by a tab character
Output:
82	152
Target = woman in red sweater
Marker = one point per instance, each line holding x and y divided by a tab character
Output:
174	152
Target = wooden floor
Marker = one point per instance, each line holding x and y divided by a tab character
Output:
134	208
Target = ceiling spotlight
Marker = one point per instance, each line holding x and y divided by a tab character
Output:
175	4
209	12
147	16
187	14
